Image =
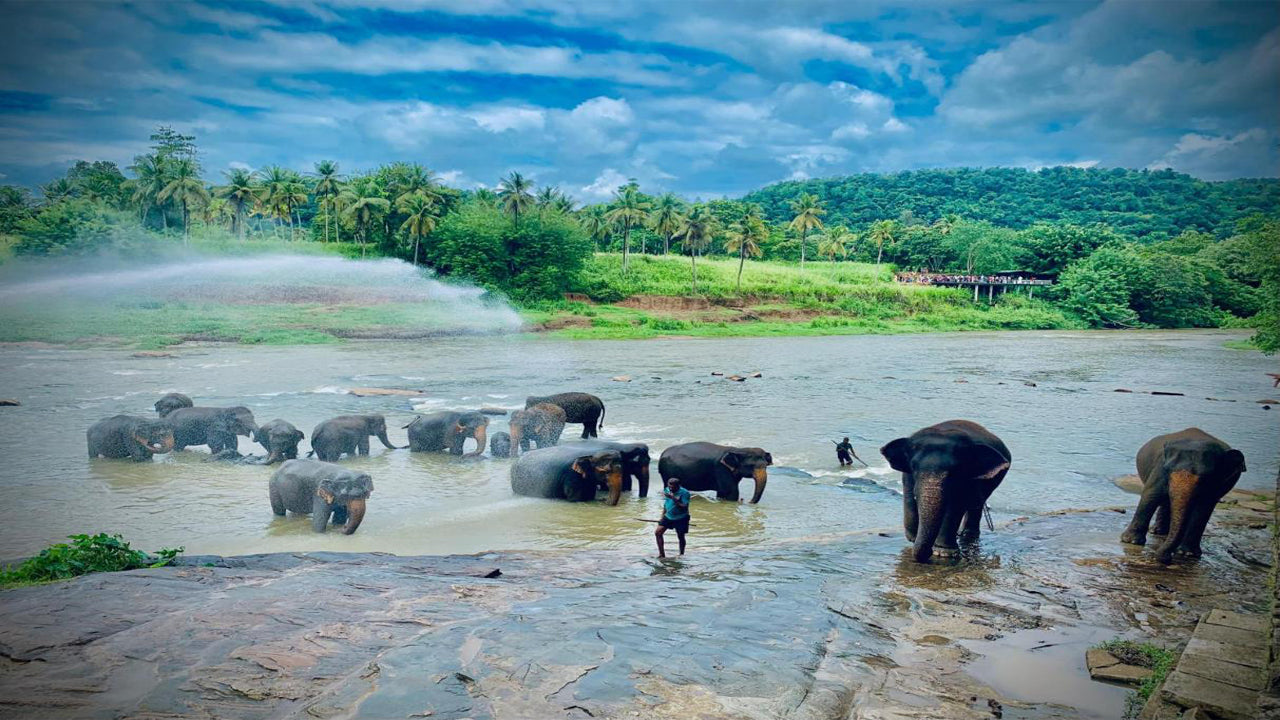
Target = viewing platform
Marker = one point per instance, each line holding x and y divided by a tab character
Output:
1004	281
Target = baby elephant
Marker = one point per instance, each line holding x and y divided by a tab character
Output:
500	444
128	436
280	439
171	402
322	489
1184	475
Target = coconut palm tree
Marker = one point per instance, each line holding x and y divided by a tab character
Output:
274	192
882	233
485	196
696	231
187	189
57	190
514	193
808	216
366	206
328	185
152	177
240	193
629	210
421	221
667	219
596	223
835	241
744	237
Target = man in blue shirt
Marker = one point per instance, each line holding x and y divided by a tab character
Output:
675	514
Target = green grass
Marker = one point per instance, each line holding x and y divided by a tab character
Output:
1240	345
83	555
1158	659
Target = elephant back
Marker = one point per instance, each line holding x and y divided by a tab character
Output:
426	432
546	472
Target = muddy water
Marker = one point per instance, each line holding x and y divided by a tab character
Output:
1049	395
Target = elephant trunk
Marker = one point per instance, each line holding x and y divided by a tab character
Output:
516	435
642	479
761	477
163	446
931	508
614	482
1184	494
386	443
481	436
274	457
355	515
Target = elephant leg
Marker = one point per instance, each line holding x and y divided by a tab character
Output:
340	515
1199	520
320	512
1162	519
945	545
910	512
277	501
1152	498
588	430
728	490
362	445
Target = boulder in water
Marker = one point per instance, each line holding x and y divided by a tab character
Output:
9	402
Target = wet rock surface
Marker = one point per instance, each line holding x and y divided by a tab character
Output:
835	627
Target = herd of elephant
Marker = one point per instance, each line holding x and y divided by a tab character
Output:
949	470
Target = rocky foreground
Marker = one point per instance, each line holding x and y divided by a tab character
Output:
835	627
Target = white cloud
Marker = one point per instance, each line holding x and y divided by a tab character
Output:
603	187
894	125
500	119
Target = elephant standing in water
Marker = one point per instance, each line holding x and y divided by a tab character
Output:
948	472
322	489
216	427
707	466
171	402
1184	475
635	461
567	472
447	431
500	444
542	424
578	407
280	439
348	434
129	436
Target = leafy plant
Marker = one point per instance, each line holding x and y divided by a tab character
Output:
1159	660
83	555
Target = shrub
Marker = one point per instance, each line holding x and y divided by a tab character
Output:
83	555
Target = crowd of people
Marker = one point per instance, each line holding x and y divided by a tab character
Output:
928	278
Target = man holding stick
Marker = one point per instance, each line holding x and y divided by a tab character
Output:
675	515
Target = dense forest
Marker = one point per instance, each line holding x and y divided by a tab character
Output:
1128	248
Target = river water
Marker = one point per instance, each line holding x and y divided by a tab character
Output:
1049	395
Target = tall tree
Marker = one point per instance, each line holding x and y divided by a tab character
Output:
515	194
667	219
883	232
629	209
696	231
55	191
328	185
187	189
596	223
240	192
366	207
152	176
834	242
807	215
421	220
744	237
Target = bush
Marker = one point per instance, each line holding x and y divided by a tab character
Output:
1159	660
76	227
85	554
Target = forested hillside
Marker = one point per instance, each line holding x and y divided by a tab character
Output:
1148	205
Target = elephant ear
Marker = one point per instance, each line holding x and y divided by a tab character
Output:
768	458
731	460
411	423
898	453
986	462
1234	460
581	464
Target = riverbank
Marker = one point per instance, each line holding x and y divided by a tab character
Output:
830	627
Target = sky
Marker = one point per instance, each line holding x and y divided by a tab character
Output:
705	99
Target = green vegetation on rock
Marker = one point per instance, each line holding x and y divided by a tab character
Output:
83	555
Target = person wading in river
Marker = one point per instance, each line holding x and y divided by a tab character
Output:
675	515
845	453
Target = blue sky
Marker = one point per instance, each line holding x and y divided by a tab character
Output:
702	98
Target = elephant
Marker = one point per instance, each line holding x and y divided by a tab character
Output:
568	472
542	423
635	461
280	439
216	427
948	472
500	444
347	434
1184	475
447	431
129	436
578	408
171	402
707	466
322	489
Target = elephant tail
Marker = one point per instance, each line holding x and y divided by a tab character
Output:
600	423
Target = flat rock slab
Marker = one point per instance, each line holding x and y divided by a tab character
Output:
1223	666
1221	700
1241	621
1105	666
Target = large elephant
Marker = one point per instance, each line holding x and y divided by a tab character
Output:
129	436
542	424
447	431
578	407
567	472
1184	475
707	466
322	489
280	439
500	444
171	402
348	434
216	427
948	472
635	461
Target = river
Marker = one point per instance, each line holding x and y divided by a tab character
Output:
1050	395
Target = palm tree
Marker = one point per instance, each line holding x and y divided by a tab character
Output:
421	222
667	219
485	196
808	216
274	191
596	223
548	198
834	242
240	194
294	197
882	233
629	209
514	193
152	177
187	189
328	185
745	236
696	231
57	190
366	206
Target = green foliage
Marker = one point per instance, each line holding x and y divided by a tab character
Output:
1260	245
83	555
74	227
1157	659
